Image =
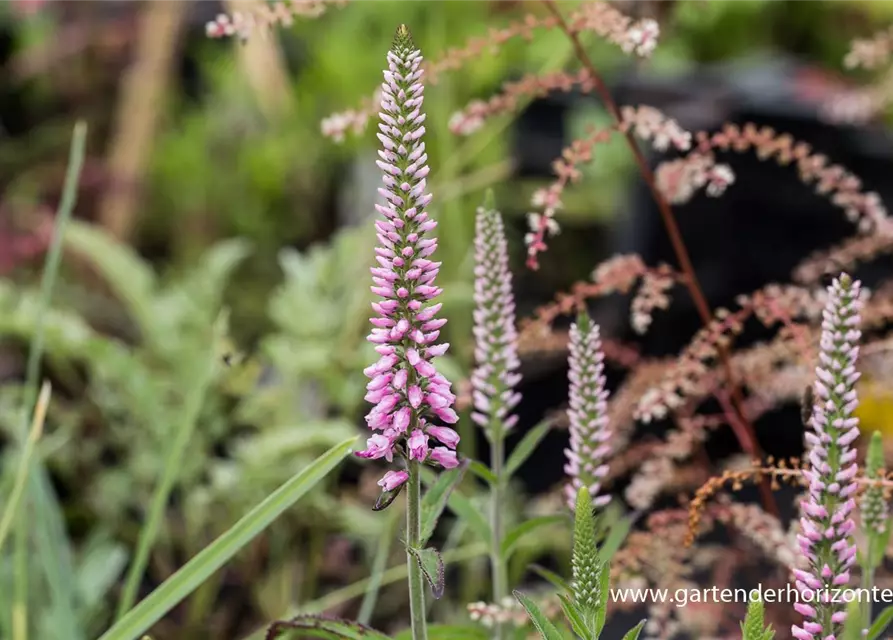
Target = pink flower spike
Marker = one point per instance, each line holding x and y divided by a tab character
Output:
496	358
406	329
588	402
826	526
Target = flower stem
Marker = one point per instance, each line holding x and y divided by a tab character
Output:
497	566
413	534
867	582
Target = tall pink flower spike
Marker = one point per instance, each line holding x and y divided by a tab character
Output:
826	528
408	393
588	413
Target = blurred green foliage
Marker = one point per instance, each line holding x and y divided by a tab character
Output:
240	213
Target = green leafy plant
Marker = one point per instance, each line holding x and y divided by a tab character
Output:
585	602
753	627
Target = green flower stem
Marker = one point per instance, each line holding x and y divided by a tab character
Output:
867	582
413	535
499	576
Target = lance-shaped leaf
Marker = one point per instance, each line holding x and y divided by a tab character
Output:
436	498
322	627
432	566
526	447
880	624
547	630
633	633
449	632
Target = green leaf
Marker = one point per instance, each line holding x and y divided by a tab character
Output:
470	514
880	624
617	533
574	617
130	278
633	633
436	497
448	632
527	527
481	471
432	566
601	611
322	627
173	590
852	626
527	446
553	578
463	507
547	630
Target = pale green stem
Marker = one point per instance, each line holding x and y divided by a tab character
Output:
497	564
867	582
413	535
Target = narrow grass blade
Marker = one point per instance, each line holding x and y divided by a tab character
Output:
58	569
21	477
379	565
173	590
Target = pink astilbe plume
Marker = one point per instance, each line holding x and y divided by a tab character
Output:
263	16
406	389
681	178
588	413
634	37
646	122
495	376
826	527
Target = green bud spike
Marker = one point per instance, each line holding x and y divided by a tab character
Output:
584	322
403	40
489	201
585	561
875	457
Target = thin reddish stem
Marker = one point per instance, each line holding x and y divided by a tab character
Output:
742	429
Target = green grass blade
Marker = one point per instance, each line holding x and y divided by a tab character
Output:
379	565
42	503
21	476
54	258
173	590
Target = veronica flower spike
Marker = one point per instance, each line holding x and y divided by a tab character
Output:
588	413
826	527
495	376
409	395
